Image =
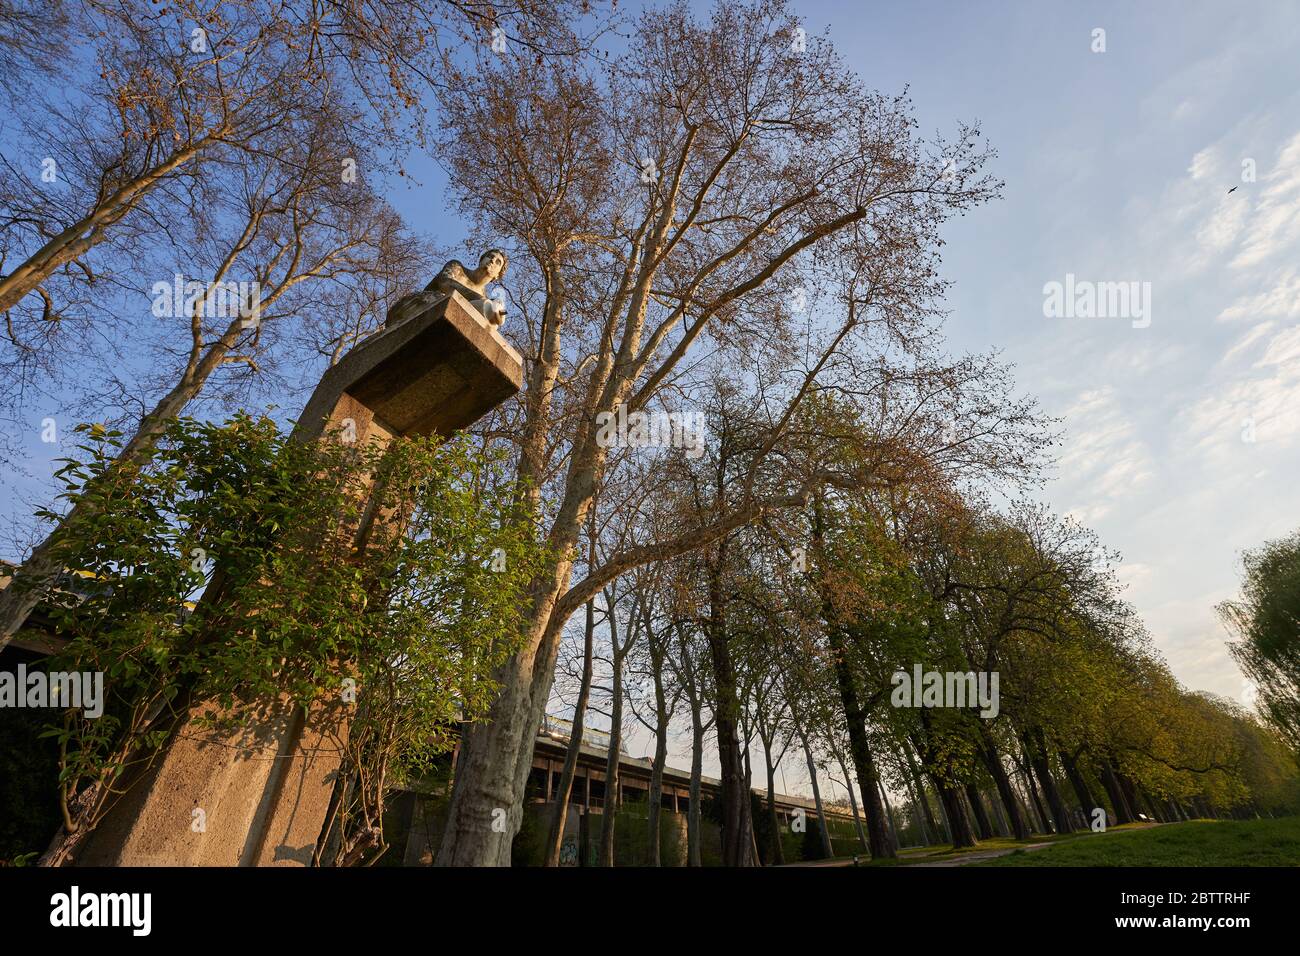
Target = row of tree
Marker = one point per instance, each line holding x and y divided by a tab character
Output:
785	638
711	215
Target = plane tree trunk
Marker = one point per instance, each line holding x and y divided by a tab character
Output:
921	798
878	840
960	831
817	798
959	823
662	715
982	824
853	803
778	853
693	855
1037	754
560	812
734	792
1081	790
1010	802
613	795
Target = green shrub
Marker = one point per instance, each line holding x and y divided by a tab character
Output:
225	567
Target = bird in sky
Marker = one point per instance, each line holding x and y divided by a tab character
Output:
1232	190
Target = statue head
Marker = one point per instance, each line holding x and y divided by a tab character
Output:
494	262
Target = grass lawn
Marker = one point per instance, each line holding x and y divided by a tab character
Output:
943	851
1198	843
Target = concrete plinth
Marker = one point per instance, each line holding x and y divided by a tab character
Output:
264	792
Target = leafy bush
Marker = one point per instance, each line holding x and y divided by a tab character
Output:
239	567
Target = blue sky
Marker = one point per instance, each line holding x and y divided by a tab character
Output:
1117	167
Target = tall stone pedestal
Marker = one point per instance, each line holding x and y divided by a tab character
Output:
264	792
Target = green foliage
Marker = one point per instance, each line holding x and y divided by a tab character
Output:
1267	620
1198	843
632	836
241	567
956	586
810	842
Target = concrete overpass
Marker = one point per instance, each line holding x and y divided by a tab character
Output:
418	818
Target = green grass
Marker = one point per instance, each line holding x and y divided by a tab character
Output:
1198	843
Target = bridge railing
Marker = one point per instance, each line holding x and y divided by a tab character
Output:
563	729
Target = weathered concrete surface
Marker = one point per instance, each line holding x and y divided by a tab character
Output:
436	372
265	792
235	781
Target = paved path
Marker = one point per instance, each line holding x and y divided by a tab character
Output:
975	856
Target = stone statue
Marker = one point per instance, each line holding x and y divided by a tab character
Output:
454	277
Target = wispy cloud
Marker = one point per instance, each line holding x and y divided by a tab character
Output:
1275	222
1104	456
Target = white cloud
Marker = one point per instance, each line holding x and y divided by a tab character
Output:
1280	300
1225	224
1133	574
1255	405
1247	341
1104	459
1204	163
1283	351
1275	227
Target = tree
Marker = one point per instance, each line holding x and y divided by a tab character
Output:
560	812
619	650
285	225
1266	621
178	85
269	124
264	528
687	659
659	694
171	87
651	203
